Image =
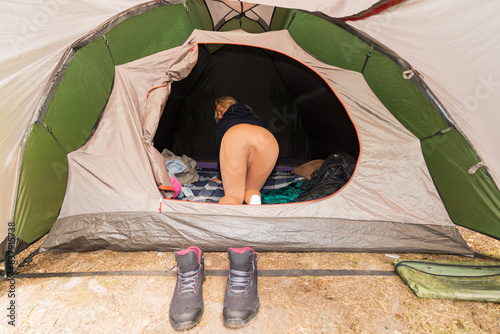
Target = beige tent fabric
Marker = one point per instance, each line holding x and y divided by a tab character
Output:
239	6
460	64
333	8
34	36
220	12
225	10
156	99
119	169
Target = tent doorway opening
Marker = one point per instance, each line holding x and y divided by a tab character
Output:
294	102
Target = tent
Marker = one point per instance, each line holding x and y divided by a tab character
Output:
80	152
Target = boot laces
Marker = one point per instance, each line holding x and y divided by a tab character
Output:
187	280
239	280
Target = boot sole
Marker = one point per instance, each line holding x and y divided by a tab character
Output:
187	324
237	323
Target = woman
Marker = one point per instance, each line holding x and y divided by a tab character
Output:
247	151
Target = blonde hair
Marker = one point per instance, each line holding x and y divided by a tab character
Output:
225	101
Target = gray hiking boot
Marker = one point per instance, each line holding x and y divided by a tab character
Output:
241	302
186	307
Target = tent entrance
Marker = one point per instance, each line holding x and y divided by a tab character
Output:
296	104
379	210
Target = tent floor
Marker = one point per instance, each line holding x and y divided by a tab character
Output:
338	302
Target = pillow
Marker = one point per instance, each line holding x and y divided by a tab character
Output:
308	168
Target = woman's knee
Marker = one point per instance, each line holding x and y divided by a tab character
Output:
231	199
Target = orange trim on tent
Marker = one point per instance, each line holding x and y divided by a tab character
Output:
147	97
373	11
165	85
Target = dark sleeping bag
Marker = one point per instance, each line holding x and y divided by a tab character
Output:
333	174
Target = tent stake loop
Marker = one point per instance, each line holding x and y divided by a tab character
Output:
408	74
474	168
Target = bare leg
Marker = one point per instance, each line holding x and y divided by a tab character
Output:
266	152
248	155
233	166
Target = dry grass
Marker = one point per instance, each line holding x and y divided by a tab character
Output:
304	304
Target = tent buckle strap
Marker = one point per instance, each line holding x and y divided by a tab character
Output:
24	263
474	168
440	133
368	56
109	50
49	129
291	20
408	74
189	16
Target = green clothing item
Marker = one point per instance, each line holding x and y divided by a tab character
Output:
282	195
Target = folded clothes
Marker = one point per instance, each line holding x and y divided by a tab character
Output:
188	174
175	166
186	192
282	195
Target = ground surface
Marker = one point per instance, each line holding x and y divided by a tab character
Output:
289	304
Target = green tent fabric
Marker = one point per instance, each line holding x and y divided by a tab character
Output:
457	280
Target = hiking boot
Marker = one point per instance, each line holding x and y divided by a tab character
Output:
186	307
241	302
